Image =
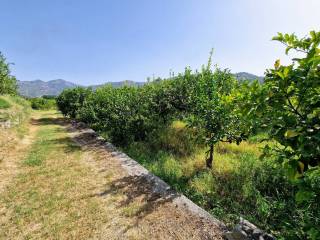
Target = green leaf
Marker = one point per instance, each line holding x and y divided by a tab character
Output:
286	71
314	234
291	134
288	49
280	74
277	64
304	196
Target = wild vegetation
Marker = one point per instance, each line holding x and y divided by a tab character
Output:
43	103
8	83
172	125
13	108
4	104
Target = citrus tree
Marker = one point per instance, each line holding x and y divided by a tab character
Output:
292	115
70	101
293	104
215	109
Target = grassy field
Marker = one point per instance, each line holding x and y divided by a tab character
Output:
239	184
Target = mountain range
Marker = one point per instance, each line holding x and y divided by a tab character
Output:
39	88
241	76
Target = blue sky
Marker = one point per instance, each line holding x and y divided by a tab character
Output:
91	42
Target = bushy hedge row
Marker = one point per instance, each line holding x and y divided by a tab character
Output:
130	113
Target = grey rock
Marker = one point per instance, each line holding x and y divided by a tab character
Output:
247	223
236	235
256	234
268	237
238	228
245	230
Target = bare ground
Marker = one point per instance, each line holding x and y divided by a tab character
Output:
98	193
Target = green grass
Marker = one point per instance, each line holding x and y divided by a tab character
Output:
239	184
41	147
18	113
4	104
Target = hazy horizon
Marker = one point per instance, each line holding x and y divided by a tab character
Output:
90	43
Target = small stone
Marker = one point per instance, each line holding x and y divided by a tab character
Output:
268	237
247	229
249	224
236	235
256	234
238	228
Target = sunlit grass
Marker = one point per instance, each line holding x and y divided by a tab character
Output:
237	185
4	104
46	201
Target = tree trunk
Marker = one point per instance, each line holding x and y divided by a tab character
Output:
209	160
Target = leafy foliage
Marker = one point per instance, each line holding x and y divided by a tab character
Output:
8	83
71	100
291	111
43	103
215	109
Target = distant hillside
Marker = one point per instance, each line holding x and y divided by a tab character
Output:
119	84
248	76
39	88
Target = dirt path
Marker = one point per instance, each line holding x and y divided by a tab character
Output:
72	185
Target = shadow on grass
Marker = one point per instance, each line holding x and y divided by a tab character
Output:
50	121
66	143
143	189
139	189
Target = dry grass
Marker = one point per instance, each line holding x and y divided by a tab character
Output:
49	198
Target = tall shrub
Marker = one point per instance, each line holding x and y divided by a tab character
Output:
215	110
8	83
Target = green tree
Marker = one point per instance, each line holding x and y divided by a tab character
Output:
293	103
292	115
8	83
214	110
70	101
